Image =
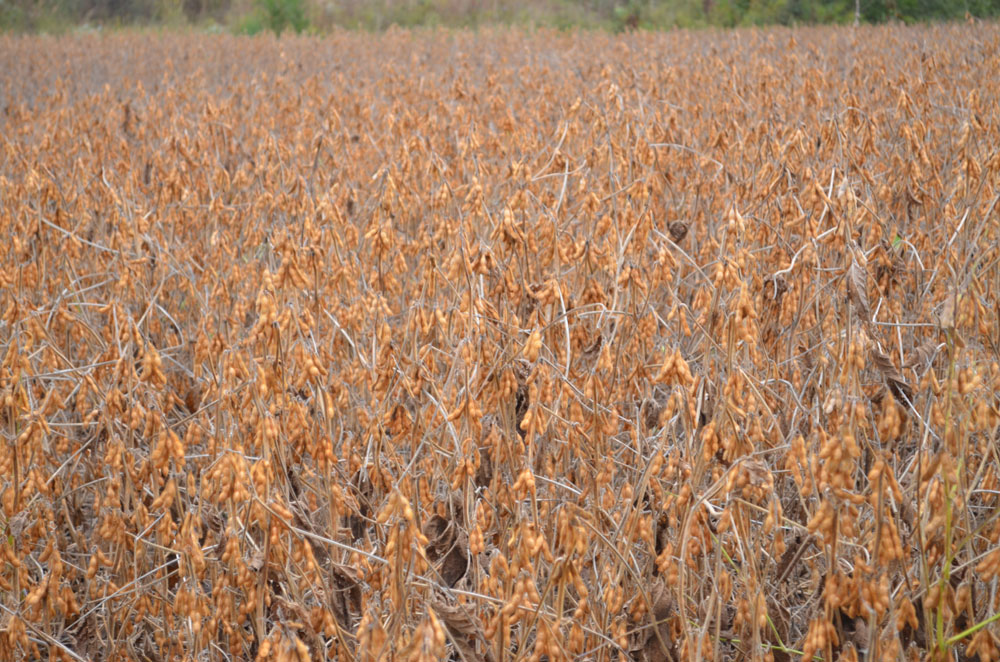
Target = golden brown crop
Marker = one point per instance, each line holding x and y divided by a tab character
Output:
501	346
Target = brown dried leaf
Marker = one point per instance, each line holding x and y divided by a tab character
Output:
758	473
857	289
593	349
855	634
651	408
346	596
257	561
652	643
439	537
678	230
923	354
775	288
464	630
893	378
793	554
947	317
658	648
447	548
663	602
456	561
484	473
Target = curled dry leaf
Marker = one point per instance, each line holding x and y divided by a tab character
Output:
464	630
663	602
447	548
758	473
653	642
651	408
678	230
893	378
775	288
592	350
923	354
947	317
346	596
857	289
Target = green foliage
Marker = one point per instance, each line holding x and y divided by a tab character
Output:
403	14
12	17
280	15
729	13
27	16
252	16
627	16
250	24
909	11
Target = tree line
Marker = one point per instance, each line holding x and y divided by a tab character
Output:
319	15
